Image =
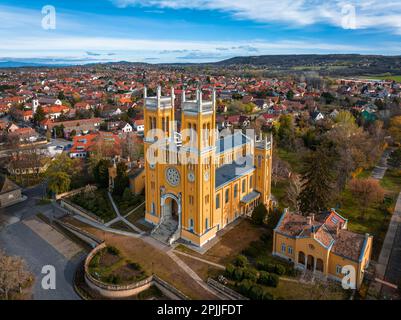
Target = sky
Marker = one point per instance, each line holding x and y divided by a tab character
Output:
157	31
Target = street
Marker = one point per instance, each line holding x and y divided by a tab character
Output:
17	238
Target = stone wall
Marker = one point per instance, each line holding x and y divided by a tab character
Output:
123	291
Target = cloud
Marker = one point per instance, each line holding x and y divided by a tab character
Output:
373	14
93	53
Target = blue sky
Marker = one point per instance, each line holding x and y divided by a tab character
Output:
196	30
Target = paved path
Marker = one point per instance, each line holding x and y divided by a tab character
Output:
381	168
193	275
120	217
390	254
56	239
219	266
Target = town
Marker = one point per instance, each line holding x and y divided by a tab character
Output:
265	187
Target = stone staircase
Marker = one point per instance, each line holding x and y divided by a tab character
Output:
165	231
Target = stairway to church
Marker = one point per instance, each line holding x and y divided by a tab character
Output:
165	230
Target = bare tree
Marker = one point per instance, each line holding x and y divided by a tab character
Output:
280	170
366	191
293	191
14	274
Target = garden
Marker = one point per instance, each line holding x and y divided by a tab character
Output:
95	201
127	201
108	265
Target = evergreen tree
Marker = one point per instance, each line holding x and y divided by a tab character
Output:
259	214
317	182
39	115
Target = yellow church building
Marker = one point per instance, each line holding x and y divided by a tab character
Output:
196	182
322	244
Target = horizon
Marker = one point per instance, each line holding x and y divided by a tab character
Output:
201	31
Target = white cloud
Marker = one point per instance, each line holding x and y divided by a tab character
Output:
369	13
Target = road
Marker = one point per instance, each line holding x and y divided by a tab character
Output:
17	238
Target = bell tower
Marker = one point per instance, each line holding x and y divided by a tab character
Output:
263	163
198	125
158	127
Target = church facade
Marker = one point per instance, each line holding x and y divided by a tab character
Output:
196	182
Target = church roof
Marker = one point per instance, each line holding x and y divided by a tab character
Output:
233	171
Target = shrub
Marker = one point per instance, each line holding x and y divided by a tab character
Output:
229	272
113	250
244	286
279	269
114	279
250	274
251	252
268	279
266	236
292	272
238	274
241	261
259	214
256	292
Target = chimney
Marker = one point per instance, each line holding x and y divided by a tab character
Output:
338	228
309	220
313	217
367	235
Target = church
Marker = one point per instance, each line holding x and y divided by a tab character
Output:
196	180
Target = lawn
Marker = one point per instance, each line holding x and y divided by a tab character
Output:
151	259
97	202
126	203
110	266
292	158
231	243
121	225
279	190
136	216
376	220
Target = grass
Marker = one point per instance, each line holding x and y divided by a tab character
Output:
151	259
279	190
231	243
43	201
136	216
109	266
121	225
292	158
125	205
396	78
375	220
202	269
153	293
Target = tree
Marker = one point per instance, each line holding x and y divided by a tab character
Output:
121	181
259	214
293	191
317	182
395	158
366	192
39	115
14	274
280	169
58	182
101	172
395	128
61	172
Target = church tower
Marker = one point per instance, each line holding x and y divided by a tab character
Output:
158	126
263	163
198	125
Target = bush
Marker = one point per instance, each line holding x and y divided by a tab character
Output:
259	214
245	286
280	269
241	261
268	279
292	272
113	250
238	274
266	236
256	292
250	274
229	272
254	249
